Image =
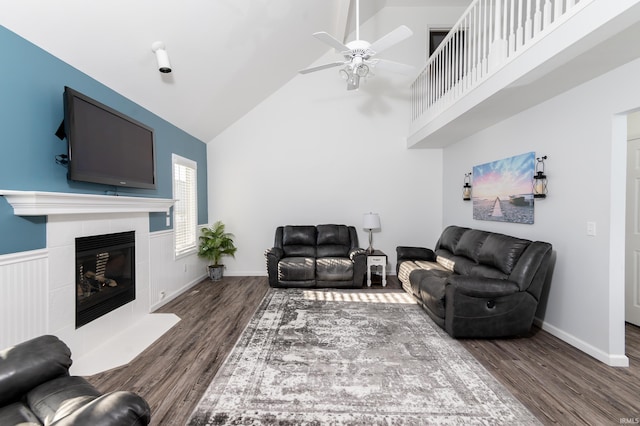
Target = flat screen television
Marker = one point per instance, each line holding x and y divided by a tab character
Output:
106	146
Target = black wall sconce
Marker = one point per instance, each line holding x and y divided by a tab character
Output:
466	188
540	179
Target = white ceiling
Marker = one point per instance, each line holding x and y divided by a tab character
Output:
227	55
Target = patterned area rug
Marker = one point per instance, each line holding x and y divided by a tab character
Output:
326	357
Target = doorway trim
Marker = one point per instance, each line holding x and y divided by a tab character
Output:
617	241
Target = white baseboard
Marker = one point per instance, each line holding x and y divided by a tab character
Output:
612	360
177	293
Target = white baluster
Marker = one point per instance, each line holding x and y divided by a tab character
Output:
546	14
570	4
528	24
512	33
485	38
520	29
497	27
475	43
537	19
456	53
467	49
499	46
557	9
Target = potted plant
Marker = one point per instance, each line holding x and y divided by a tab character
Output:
215	243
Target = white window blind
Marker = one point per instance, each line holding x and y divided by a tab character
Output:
185	210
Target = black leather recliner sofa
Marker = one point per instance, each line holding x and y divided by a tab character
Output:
36	389
477	283
316	256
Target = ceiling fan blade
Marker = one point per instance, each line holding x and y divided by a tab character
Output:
384	64
320	67
394	37
331	41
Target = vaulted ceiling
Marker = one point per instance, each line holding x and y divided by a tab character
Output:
226	55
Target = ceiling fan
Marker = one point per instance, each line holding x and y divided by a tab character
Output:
358	54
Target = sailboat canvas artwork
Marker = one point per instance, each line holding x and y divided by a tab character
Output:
502	190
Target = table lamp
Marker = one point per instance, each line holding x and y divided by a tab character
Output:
370	222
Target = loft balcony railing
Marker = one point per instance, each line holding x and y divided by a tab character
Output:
490	34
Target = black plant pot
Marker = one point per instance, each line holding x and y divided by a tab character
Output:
215	272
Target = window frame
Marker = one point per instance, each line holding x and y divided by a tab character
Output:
192	246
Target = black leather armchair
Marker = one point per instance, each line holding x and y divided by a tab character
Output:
36	389
477	283
316	256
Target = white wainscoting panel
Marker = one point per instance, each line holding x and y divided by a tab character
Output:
171	276
24	296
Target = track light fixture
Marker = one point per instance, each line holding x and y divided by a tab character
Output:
164	66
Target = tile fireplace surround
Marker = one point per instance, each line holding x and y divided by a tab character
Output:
44	302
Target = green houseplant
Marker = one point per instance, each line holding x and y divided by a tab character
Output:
215	243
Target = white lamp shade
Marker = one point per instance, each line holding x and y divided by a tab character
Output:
371	221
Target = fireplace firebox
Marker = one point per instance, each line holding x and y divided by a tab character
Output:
105	274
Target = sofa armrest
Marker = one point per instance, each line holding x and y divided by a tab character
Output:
275	253
31	363
480	286
357	253
359	258
415	253
273	256
112	409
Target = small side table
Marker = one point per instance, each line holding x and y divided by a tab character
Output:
377	258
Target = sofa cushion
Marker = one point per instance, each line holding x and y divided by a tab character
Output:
431	289
404	270
333	241
450	237
463	265
299	241
334	269
445	262
502	251
470	243
297	269
60	397
485	271
26	365
17	414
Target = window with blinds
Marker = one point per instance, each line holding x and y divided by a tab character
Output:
185	210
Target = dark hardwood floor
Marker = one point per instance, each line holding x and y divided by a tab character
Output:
556	382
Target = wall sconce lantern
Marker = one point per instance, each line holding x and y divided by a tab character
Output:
540	179
466	188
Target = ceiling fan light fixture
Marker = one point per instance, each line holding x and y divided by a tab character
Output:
358	54
362	70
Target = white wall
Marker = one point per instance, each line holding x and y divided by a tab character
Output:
583	132
314	153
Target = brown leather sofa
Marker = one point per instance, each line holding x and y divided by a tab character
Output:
36	389
477	283
316	256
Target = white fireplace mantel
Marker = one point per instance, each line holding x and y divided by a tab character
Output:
36	203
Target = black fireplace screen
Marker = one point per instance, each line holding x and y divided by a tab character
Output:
105	274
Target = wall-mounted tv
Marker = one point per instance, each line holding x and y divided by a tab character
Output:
106	146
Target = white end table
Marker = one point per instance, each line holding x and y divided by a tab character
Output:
377	258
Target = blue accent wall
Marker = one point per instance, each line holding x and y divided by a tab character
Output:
31	108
